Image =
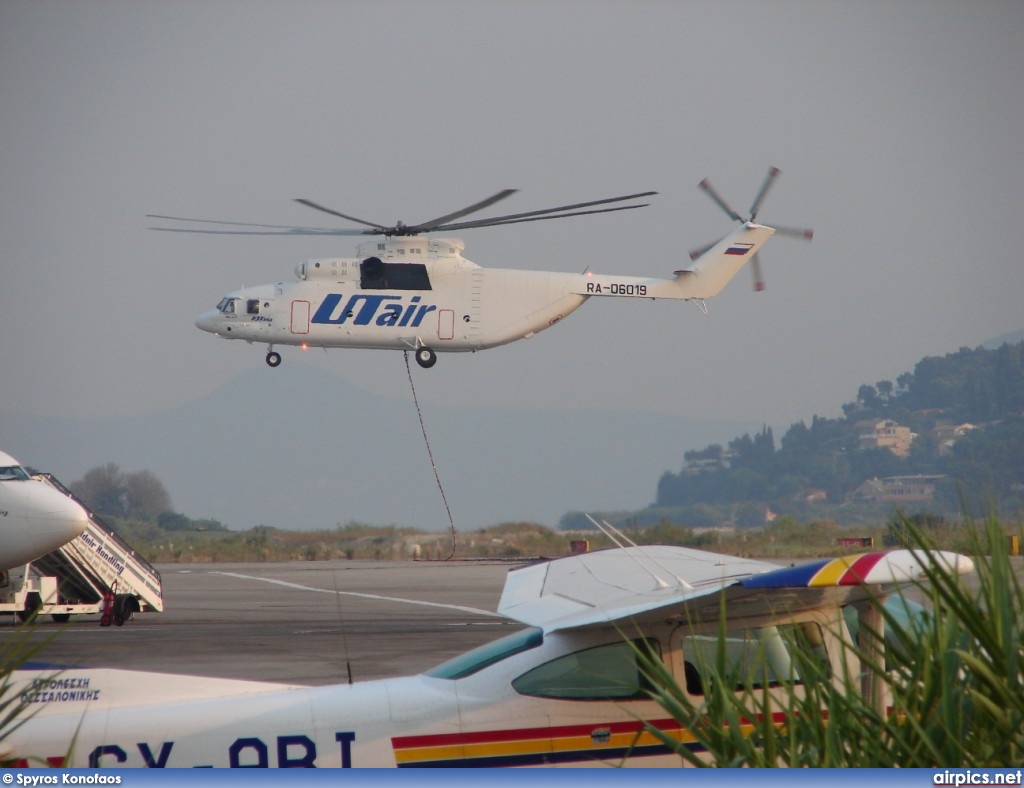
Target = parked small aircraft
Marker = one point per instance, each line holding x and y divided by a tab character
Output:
565	691
410	292
35	518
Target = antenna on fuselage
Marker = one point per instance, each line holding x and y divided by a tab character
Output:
341	620
616	535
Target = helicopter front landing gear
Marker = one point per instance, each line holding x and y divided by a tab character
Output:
425	357
273	357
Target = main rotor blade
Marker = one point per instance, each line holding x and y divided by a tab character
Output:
769	179
479	206
278	229
695	253
799	232
297	231
519	218
440	223
512	218
714	195
318	207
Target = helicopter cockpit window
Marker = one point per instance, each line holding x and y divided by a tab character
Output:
605	672
375	274
252	306
13	473
226	306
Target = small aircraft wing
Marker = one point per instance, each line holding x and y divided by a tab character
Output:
609	585
898	566
675	582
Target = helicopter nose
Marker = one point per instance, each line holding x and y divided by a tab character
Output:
208	321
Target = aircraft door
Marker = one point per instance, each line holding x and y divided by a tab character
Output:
595	701
300	317
445	324
753	650
573	700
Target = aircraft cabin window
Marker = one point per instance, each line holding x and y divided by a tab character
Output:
375	274
488	654
909	618
252	306
756	657
12	473
609	672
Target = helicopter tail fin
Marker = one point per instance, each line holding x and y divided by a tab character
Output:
715	267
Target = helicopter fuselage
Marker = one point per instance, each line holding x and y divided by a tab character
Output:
447	303
421	294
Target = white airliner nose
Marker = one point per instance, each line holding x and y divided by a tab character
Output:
55	514
37	520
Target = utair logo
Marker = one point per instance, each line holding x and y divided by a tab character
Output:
381	310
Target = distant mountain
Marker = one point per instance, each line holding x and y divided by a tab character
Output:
302	448
1006	339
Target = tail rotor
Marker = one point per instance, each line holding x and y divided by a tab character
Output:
755	207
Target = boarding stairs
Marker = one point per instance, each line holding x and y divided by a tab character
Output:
97	572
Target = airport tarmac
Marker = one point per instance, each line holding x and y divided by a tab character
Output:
300	622
296	622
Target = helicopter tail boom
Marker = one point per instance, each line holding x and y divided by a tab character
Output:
704	278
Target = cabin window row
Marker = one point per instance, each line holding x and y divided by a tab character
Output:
747	658
750	658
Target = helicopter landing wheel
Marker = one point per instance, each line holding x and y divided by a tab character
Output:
425	357
273	359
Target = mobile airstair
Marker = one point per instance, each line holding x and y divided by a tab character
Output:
96	573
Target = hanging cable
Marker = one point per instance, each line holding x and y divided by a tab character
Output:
430	454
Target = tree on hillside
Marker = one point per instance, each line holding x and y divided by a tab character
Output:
989	463
868	397
980	386
108	491
712	452
754	453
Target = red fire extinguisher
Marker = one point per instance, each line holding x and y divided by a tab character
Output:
107	614
108	609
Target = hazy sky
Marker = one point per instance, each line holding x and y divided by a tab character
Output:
897	125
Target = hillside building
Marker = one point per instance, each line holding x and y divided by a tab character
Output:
884	434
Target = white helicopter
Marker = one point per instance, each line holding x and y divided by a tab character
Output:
410	292
565	691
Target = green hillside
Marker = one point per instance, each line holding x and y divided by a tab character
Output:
946	437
